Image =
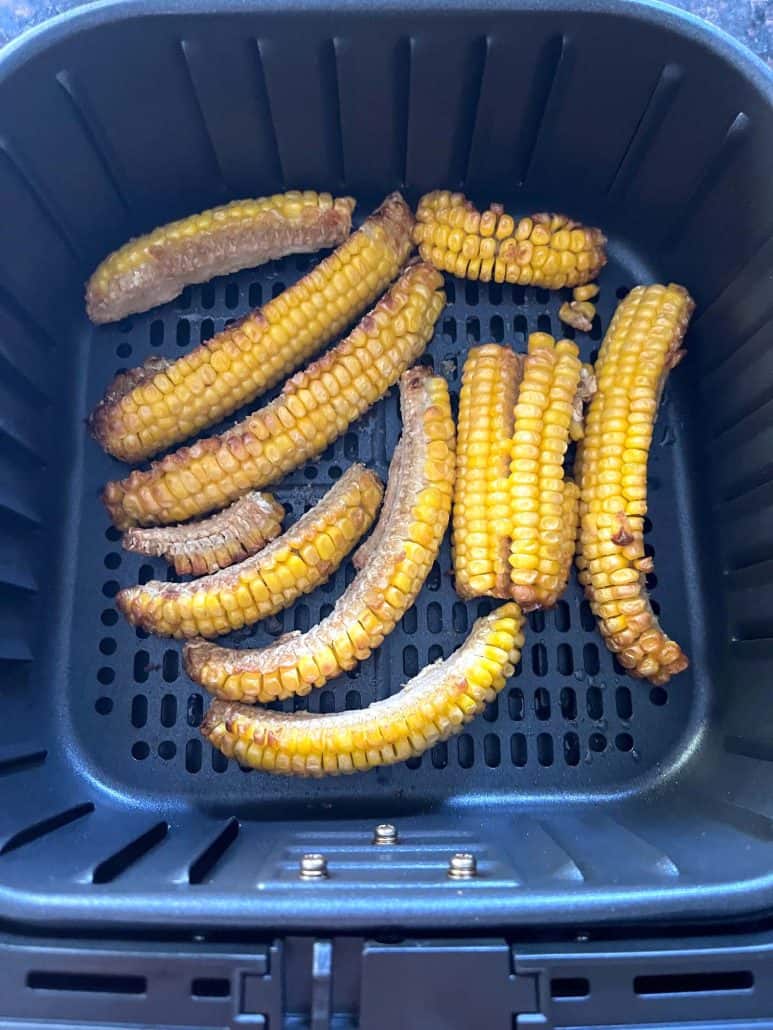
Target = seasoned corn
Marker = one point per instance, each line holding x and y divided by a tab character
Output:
153	269
135	421
431	707
313	409
481	518
642	344
207	545
412	524
295	563
545	250
538	508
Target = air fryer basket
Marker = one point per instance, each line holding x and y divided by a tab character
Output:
585	795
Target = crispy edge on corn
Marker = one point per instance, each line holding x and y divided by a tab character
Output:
543	415
642	344
431	707
586	388
293	564
481	514
201	547
547	250
411	530
253	354
313	409
155	268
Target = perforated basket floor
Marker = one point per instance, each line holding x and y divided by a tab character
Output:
570	722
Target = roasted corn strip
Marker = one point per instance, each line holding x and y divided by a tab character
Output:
642	344
431	707
543	415
481	518
217	377
153	269
295	563
313	409
545	250
204	546
412	525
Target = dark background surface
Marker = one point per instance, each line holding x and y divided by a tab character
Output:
750	21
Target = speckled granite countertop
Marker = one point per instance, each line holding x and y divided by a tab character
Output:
750	21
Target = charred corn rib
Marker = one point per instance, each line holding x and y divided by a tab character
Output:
431	707
543	415
293	564
412	524
545	250
137	420
153	269
641	346
207	545
313	409
481	520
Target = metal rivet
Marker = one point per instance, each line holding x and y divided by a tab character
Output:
462	866
385	833
313	867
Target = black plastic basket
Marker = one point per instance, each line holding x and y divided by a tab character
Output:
586	796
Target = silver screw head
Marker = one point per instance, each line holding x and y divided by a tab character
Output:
313	867
462	866
385	833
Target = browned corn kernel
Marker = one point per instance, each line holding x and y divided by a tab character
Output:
313	409
586	292
583	396
204	546
153	269
293	564
412	524
543	414
431	707
248	357
481	520
579	314
641	345
544	250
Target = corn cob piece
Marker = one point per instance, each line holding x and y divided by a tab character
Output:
234	367
411	527
547	250
295	563
543	414
202	547
432	706
481	516
153	269
313	409
642	344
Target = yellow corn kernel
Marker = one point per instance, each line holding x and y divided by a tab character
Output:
586	292
642	344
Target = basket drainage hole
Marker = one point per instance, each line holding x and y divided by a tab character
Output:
597	742
105	675
167	749
103	705
93	983
624	742
211	987
123	350
658	696
569	987
107	645
140	750
694	983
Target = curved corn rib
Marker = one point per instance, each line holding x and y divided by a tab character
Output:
295	563
153	269
412	525
641	346
249	356
202	547
481	515
545	250
543	415
431	707
313	409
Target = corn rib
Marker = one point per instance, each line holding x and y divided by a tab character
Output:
642	344
202	547
293	564
313	409
244	360
481	515
546	250
431	707
412	525
538	508
153	269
